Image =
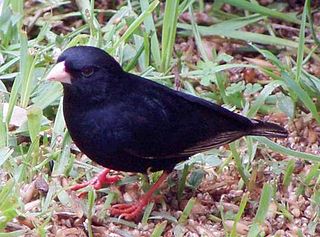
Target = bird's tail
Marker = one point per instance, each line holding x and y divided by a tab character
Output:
267	129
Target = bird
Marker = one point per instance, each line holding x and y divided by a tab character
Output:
125	122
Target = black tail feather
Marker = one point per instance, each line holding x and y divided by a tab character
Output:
267	129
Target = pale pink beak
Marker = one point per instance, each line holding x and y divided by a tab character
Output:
58	73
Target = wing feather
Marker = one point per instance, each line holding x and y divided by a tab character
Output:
176	124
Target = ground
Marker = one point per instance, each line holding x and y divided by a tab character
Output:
228	54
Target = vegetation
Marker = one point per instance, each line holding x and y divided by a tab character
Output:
260	61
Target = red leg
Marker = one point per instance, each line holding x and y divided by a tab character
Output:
98	181
133	210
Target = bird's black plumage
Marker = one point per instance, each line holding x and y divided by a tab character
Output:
129	123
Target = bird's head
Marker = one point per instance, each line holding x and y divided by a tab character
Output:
83	65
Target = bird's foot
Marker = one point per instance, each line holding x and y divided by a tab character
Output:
97	182
129	211
133	210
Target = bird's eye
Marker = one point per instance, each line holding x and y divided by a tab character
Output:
87	72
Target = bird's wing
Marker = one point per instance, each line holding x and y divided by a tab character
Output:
167	124
195	149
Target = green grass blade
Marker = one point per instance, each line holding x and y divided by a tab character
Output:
169	29
58	126
91	199
286	151
3	130
8	65
243	203
311	23
287	177
264	203
238	162
243	35
34	121
5	154
64	158
27	64
17	233
267	90
302	95
197	36
255	8
182	181
186	211
135	24
152	31
147	213
158	230
262	211
229	25
301	43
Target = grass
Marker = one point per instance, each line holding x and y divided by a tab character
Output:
142	36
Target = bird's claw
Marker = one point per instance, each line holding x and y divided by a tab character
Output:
128	211
98	181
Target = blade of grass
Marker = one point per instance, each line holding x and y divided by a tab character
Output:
262	211
264	203
182	181
152	31
123	222
313	174
3	130
288	174
147	213
18	80
22	174
228	25
302	95
186	211
49	94
17	233
58	126
135	24
158	230
184	5
197	36
237	159
241	35
5	154
8	64
252	7
267	90
87	10
91	198
169	28
64	158
34	115
27	64
286	151
301	43
215	69
135	59
163	215
34	121
311	23
243	203
49	197
107	204
295	89
285	212
147	51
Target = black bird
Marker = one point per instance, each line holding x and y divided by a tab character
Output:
128	123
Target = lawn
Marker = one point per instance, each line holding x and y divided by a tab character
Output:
259	58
